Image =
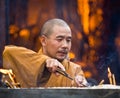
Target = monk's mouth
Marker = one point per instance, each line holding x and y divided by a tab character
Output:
63	53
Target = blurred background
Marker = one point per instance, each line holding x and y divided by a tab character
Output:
95	26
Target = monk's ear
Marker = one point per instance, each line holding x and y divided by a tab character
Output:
43	40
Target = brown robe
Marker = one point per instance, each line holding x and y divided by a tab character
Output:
30	71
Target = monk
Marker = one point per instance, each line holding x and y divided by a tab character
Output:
41	69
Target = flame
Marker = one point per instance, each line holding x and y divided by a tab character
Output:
71	55
25	33
83	10
88	74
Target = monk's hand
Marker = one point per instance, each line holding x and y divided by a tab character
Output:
53	64
81	81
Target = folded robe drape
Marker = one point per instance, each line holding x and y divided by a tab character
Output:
30	71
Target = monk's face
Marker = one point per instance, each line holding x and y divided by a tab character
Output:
58	44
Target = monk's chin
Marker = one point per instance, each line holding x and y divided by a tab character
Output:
60	58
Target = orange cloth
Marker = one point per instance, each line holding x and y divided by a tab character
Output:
30	71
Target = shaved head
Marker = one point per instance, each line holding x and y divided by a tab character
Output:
48	26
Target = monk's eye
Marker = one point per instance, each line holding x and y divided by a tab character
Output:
69	40
59	39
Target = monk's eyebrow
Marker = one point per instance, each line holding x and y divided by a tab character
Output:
59	36
64	37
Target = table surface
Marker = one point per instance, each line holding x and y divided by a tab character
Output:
104	91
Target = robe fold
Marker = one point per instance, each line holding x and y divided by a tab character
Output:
30	70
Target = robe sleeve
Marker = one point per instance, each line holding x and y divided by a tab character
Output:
25	64
78	71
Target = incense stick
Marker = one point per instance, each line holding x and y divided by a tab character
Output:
110	76
114	81
101	82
